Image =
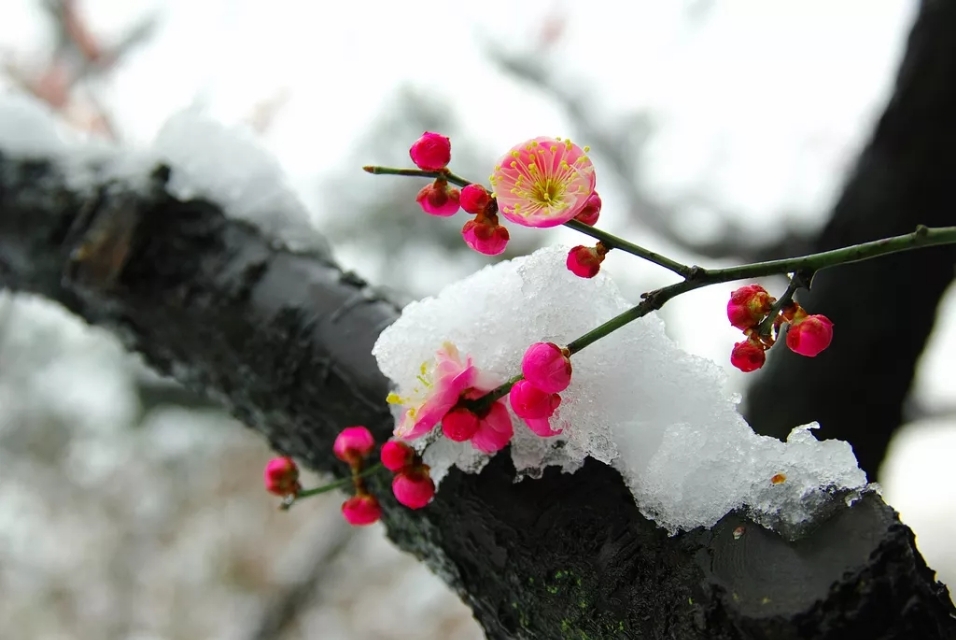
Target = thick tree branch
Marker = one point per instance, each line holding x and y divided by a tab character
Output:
883	310
284	340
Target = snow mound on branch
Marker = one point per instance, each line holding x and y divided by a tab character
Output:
224	165
228	166
637	401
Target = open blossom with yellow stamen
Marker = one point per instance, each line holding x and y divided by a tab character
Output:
543	182
441	385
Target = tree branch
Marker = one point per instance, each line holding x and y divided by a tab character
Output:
283	340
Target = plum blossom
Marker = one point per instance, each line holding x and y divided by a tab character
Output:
440	386
543	182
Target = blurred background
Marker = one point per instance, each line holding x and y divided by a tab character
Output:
721	132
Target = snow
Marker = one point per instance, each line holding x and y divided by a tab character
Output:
659	415
228	166
225	165
28	128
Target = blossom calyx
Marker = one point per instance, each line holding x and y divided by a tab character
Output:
485	235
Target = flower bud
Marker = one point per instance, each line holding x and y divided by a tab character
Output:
528	401
585	262
396	455
353	444
361	510
475	198
459	425
485	235
281	477
748	306
546	367
748	356
809	335
413	487
438	199
431	152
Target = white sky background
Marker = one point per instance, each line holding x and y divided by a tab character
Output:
759	104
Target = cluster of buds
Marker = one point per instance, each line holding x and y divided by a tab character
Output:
412	485
352	446
544	182
546	371
750	307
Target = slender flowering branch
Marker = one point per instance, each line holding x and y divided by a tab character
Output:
609	240
417	173
332	486
547	182
654	300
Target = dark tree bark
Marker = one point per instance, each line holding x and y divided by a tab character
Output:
283	340
883	310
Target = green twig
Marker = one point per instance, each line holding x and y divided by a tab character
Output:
795	283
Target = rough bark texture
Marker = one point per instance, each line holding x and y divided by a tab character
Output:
284	341
883	310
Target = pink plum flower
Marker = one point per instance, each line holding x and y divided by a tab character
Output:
431	152
442	385
475	198
546	366
396	455
543	182
809	335
353	444
748	355
413	487
281	477
485	235
748	306
585	262
361	510
591	212
494	429
438	199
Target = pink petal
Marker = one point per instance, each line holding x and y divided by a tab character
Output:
494	431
